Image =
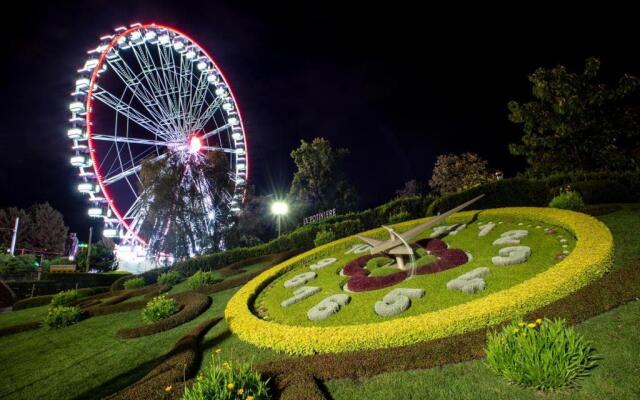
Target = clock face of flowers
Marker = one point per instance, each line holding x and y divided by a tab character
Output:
452	264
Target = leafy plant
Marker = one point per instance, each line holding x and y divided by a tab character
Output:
59	317
568	200
200	279
160	307
323	237
65	297
542	354
228	381
134	283
170	278
400	216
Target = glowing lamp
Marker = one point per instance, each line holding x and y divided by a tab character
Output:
279	208
195	144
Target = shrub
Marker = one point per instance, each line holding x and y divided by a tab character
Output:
200	279
134	283
378	262
228	380
324	237
170	278
159	308
399	217
59	317
543	354
64	298
568	200
17	264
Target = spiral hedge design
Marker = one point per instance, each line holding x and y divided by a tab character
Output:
591	258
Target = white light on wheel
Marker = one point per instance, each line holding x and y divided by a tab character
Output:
236	136
74	133
150	35
86	187
95	212
233	121
78	161
190	54
212	78
201	66
76	107
109	233
164	39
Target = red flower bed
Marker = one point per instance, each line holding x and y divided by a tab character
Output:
356	267
449	258
433	246
362	283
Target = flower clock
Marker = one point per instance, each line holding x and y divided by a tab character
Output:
421	280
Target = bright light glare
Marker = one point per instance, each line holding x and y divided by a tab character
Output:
195	144
279	208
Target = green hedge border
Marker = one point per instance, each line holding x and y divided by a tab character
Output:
38	301
182	362
193	304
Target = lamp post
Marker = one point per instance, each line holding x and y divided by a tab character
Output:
279	208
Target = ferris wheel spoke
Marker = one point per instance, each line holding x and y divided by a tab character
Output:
126	110
137	88
156	83
209	112
216	148
198	98
123	139
215	131
112	179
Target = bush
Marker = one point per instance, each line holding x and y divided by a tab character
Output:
324	237
159	308
59	317
378	262
542	354
17	264
64	298
568	200
228	380
200	279
170	278
134	283
399	217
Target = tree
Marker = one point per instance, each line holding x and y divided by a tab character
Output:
102	259
577	122
412	188
253	225
320	182
46	229
184	203
453	172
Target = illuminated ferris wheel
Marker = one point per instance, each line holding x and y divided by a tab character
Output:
148	93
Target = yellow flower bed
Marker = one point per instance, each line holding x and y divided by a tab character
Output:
592	256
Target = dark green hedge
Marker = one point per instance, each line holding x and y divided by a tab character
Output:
180	364
52	283
193	304
594	187
37	301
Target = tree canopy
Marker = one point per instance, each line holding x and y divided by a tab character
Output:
320	182
575	121
455	172
41	228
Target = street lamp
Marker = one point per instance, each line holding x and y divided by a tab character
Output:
279	208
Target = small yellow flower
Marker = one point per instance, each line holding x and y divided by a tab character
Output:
516	330
249	397
200	376
532	325
240	391
218	351
538	321
230	386
168	388
226	365
521	324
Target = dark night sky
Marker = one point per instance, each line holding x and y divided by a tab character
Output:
395	84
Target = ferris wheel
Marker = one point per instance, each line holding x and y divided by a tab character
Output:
146	93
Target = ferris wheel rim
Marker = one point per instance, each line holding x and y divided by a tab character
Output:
89	101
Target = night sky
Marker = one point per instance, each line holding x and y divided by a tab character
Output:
396	85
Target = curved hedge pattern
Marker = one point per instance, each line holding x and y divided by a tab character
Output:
193	304
591	257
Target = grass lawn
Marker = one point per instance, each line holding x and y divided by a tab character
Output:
544	249
614	334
